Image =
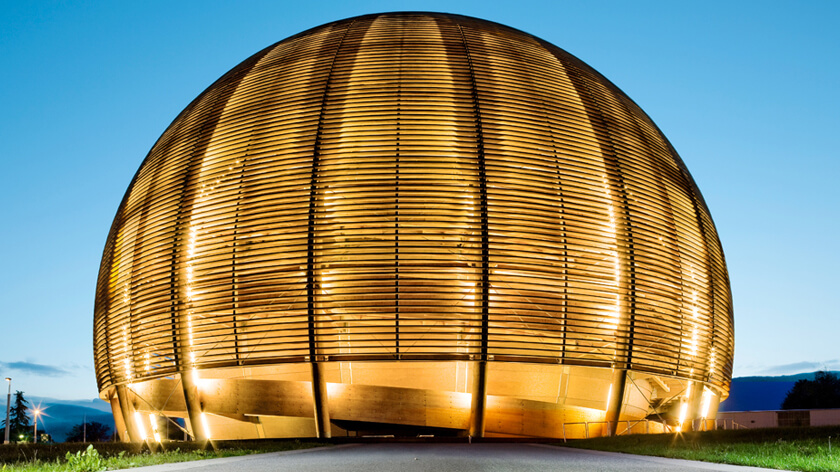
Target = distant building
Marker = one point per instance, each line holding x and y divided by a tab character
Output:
412	223
778	418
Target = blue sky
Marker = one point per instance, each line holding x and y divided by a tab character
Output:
748	92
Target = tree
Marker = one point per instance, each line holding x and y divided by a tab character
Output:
95	432
822	392
19	423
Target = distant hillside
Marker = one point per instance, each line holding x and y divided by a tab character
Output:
61	415
782	378
95	403
761	393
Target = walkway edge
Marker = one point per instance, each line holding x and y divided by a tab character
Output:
668	460
173	466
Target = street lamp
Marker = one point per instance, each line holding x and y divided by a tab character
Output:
36	412
8	406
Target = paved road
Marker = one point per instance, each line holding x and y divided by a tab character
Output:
442	458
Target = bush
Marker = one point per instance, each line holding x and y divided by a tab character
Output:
822	392
87	461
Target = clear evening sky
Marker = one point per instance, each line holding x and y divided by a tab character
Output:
748	92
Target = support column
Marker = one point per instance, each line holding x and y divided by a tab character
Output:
320	400
619	382
479	400
131	430
694	405
191	399
119	420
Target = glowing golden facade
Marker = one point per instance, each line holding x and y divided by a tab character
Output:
411	219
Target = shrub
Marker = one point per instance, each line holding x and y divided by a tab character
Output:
87	461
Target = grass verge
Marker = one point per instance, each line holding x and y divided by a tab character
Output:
804	449
112	456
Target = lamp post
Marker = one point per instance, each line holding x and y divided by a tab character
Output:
8	406
35	413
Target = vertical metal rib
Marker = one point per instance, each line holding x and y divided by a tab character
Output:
561	216
479	401
319	390
397	209
485	232
626	254
313	194
240	194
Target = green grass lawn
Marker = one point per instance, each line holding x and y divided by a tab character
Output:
111	456
805	449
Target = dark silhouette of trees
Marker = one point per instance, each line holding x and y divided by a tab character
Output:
19	422
95	432
822	392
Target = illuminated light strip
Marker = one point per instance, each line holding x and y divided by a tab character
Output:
695	314
127	361
205	425
712	359
190	256
707	401
683	414
684	404
138	420
610	228
153	422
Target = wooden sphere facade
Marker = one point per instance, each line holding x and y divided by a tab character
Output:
413	189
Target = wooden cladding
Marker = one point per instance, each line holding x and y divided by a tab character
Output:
413	186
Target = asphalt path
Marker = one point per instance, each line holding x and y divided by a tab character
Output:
443	458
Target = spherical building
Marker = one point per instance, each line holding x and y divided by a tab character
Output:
412	223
